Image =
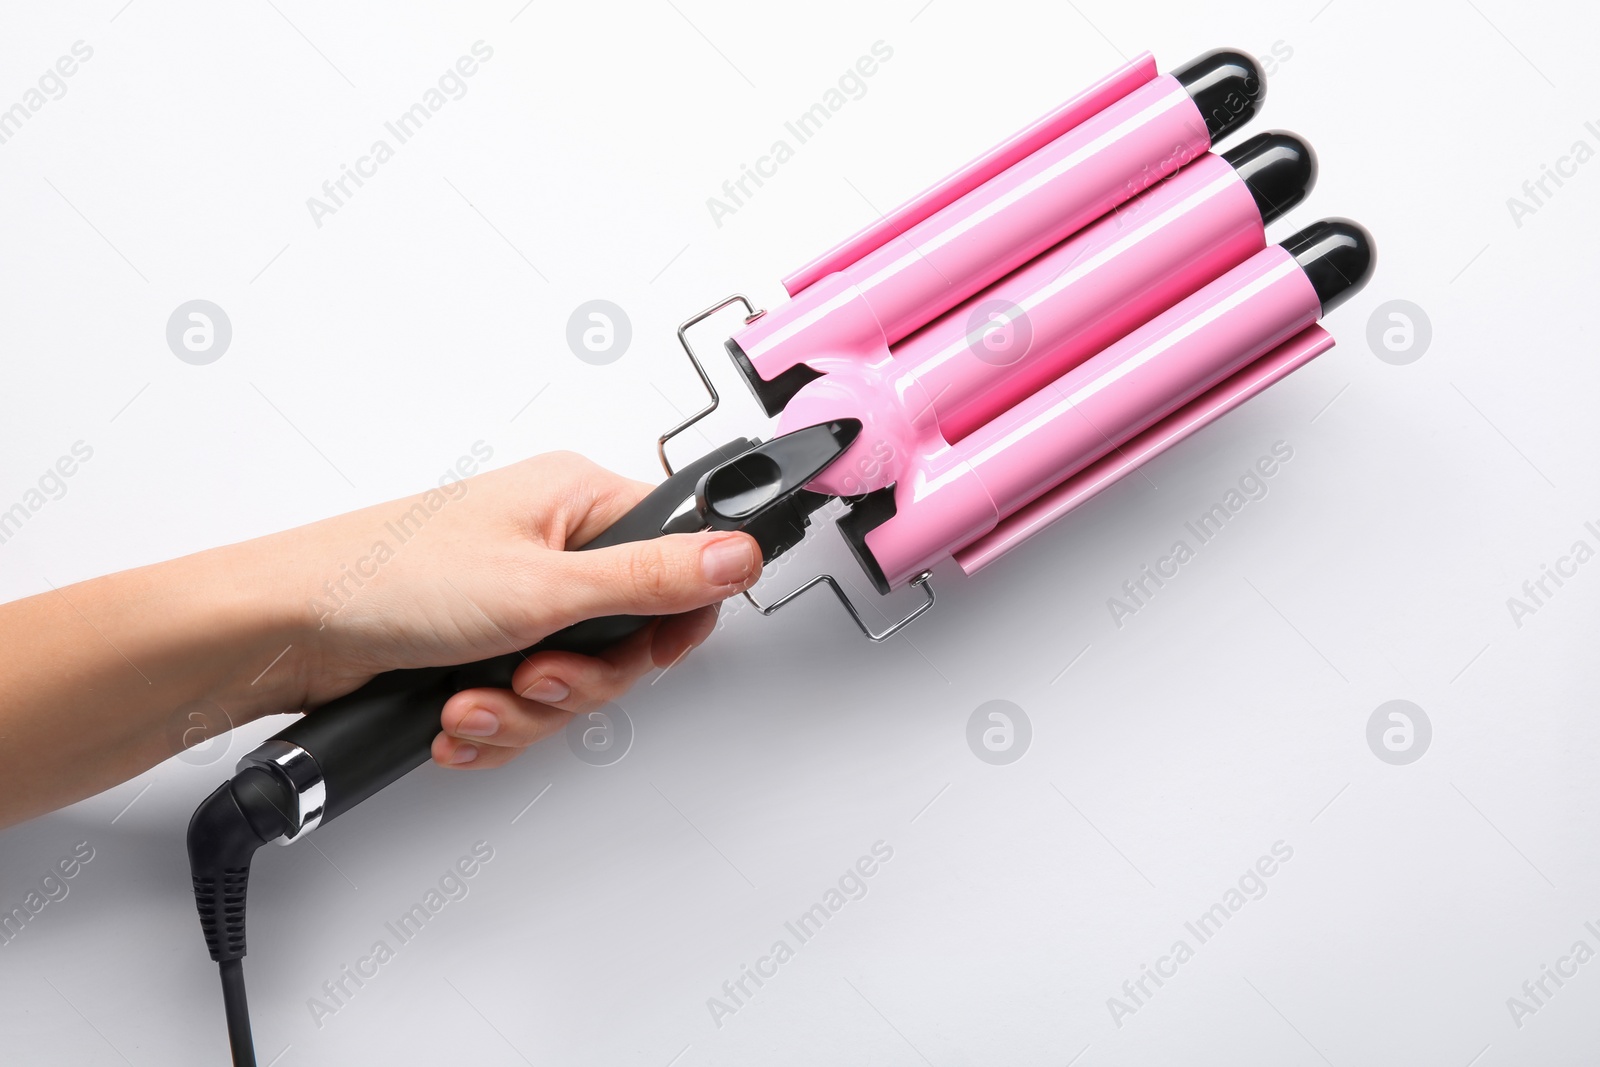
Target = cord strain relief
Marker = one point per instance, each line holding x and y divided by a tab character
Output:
220	899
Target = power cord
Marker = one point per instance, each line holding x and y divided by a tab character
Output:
238	1011
227	828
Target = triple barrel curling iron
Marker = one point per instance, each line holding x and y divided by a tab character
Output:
961	373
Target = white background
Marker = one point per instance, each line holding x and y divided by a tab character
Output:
1230	714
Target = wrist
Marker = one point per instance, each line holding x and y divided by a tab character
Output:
253	610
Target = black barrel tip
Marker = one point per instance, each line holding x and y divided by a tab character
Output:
1227	86
1338	257
1279	168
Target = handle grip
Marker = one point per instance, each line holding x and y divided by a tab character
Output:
377	734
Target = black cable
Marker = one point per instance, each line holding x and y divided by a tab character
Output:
233	1002
227	828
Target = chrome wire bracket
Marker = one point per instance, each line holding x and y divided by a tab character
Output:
920	581
751	314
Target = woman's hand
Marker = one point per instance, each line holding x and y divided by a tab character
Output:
477	568
103	679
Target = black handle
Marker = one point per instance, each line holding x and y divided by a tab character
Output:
368	739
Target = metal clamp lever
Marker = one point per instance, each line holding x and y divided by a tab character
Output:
920	581
752	313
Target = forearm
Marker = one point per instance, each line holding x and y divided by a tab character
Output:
104	679
98	679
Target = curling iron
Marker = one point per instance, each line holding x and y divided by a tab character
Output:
961	373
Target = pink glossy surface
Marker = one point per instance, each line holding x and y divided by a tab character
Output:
960	492
1109	158
1091	289
1053	505
897	422
1097	97
1083	294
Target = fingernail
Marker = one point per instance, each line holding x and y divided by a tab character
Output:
477	723
548	690
464	754
727	561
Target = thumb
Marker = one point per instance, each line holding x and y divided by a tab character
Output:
661	576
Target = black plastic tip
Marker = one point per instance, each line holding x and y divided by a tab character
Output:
741	489
774	395
1278	167
1226	86
1337	255
866	514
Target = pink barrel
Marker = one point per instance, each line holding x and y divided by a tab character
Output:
986	234
959	493
1083	294
1053	505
